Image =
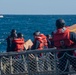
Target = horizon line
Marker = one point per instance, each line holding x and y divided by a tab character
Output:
38	14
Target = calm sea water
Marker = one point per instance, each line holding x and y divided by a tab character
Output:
27	24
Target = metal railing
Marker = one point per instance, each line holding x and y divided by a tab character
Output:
38	62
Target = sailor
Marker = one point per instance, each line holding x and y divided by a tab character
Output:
9	39
38	42
50	41
64	39
18	43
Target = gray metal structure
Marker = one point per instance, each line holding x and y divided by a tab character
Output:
38	62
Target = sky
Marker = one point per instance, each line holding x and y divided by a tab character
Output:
41	7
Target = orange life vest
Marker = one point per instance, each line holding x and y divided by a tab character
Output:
61	38
41	45
44	38
19	44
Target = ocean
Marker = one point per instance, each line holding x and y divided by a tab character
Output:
28	24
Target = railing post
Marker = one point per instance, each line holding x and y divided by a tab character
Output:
55	63
1	67
10	62
28	64
24	63
36	58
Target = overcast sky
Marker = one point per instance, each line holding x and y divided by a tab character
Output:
38	7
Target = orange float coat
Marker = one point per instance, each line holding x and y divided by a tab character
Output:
19	44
